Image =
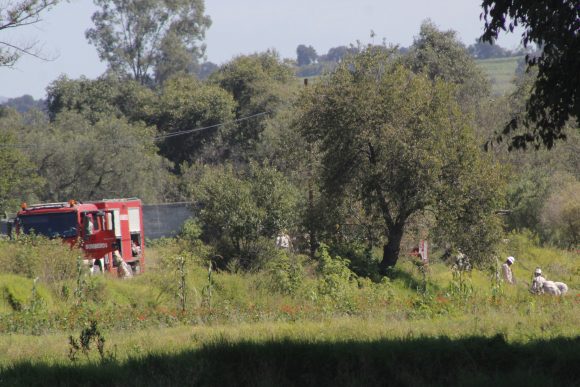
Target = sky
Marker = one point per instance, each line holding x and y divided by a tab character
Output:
242	27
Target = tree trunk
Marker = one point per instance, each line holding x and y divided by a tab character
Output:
391	249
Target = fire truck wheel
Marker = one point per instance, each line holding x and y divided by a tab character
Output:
136	268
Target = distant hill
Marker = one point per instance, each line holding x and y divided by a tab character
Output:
3	99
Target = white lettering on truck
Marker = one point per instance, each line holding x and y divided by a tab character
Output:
94	246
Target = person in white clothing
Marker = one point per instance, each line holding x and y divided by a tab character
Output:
506	270
540	285
123	269
283	240
538	282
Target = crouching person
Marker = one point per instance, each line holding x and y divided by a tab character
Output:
542	286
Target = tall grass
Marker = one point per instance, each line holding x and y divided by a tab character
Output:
313	311
408	361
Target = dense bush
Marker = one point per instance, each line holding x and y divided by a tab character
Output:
243	211
36	256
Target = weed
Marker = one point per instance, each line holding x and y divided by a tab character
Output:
461	287
88	334
496	284
81	282
286	273
207	290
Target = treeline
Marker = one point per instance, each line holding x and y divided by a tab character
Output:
384	150
310	63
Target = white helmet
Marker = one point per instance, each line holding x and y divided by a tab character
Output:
511	260
538	271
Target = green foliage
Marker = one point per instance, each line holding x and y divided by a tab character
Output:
554	99
305	55
286	273
561	215
110	158
467	218
486	50
526	195
152	38
189	239
105	97
399	144
461	286
336	279
243	213
88	334
174	281
25	103
440	55
298	290
18	177
260	84
186	104
36	256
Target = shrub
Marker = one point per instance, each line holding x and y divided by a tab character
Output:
36	256
335	283
286	273
561	216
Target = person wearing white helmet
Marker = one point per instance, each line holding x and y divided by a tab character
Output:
541	285
538	282
506	270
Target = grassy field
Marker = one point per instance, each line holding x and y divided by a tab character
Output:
501	73
401	331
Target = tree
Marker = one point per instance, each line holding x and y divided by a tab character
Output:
82	160
395	141
260	84
206	69
186	105
485	50
561	215
337	54
149	38
25	103
305	55
20	14
555	27
105	97
238	209
440	55
18	177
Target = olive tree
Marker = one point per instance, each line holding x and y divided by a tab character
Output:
398	143
82	160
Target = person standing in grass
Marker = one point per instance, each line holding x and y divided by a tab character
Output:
506	270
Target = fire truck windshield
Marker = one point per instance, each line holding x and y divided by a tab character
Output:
62	224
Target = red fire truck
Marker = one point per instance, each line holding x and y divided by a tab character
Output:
99	228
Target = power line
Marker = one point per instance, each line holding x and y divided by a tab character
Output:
157	138
188	131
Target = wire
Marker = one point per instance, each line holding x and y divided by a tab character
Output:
160	137
182	132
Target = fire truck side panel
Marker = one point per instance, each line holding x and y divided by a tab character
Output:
123	212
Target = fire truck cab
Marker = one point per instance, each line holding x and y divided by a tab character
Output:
99	228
